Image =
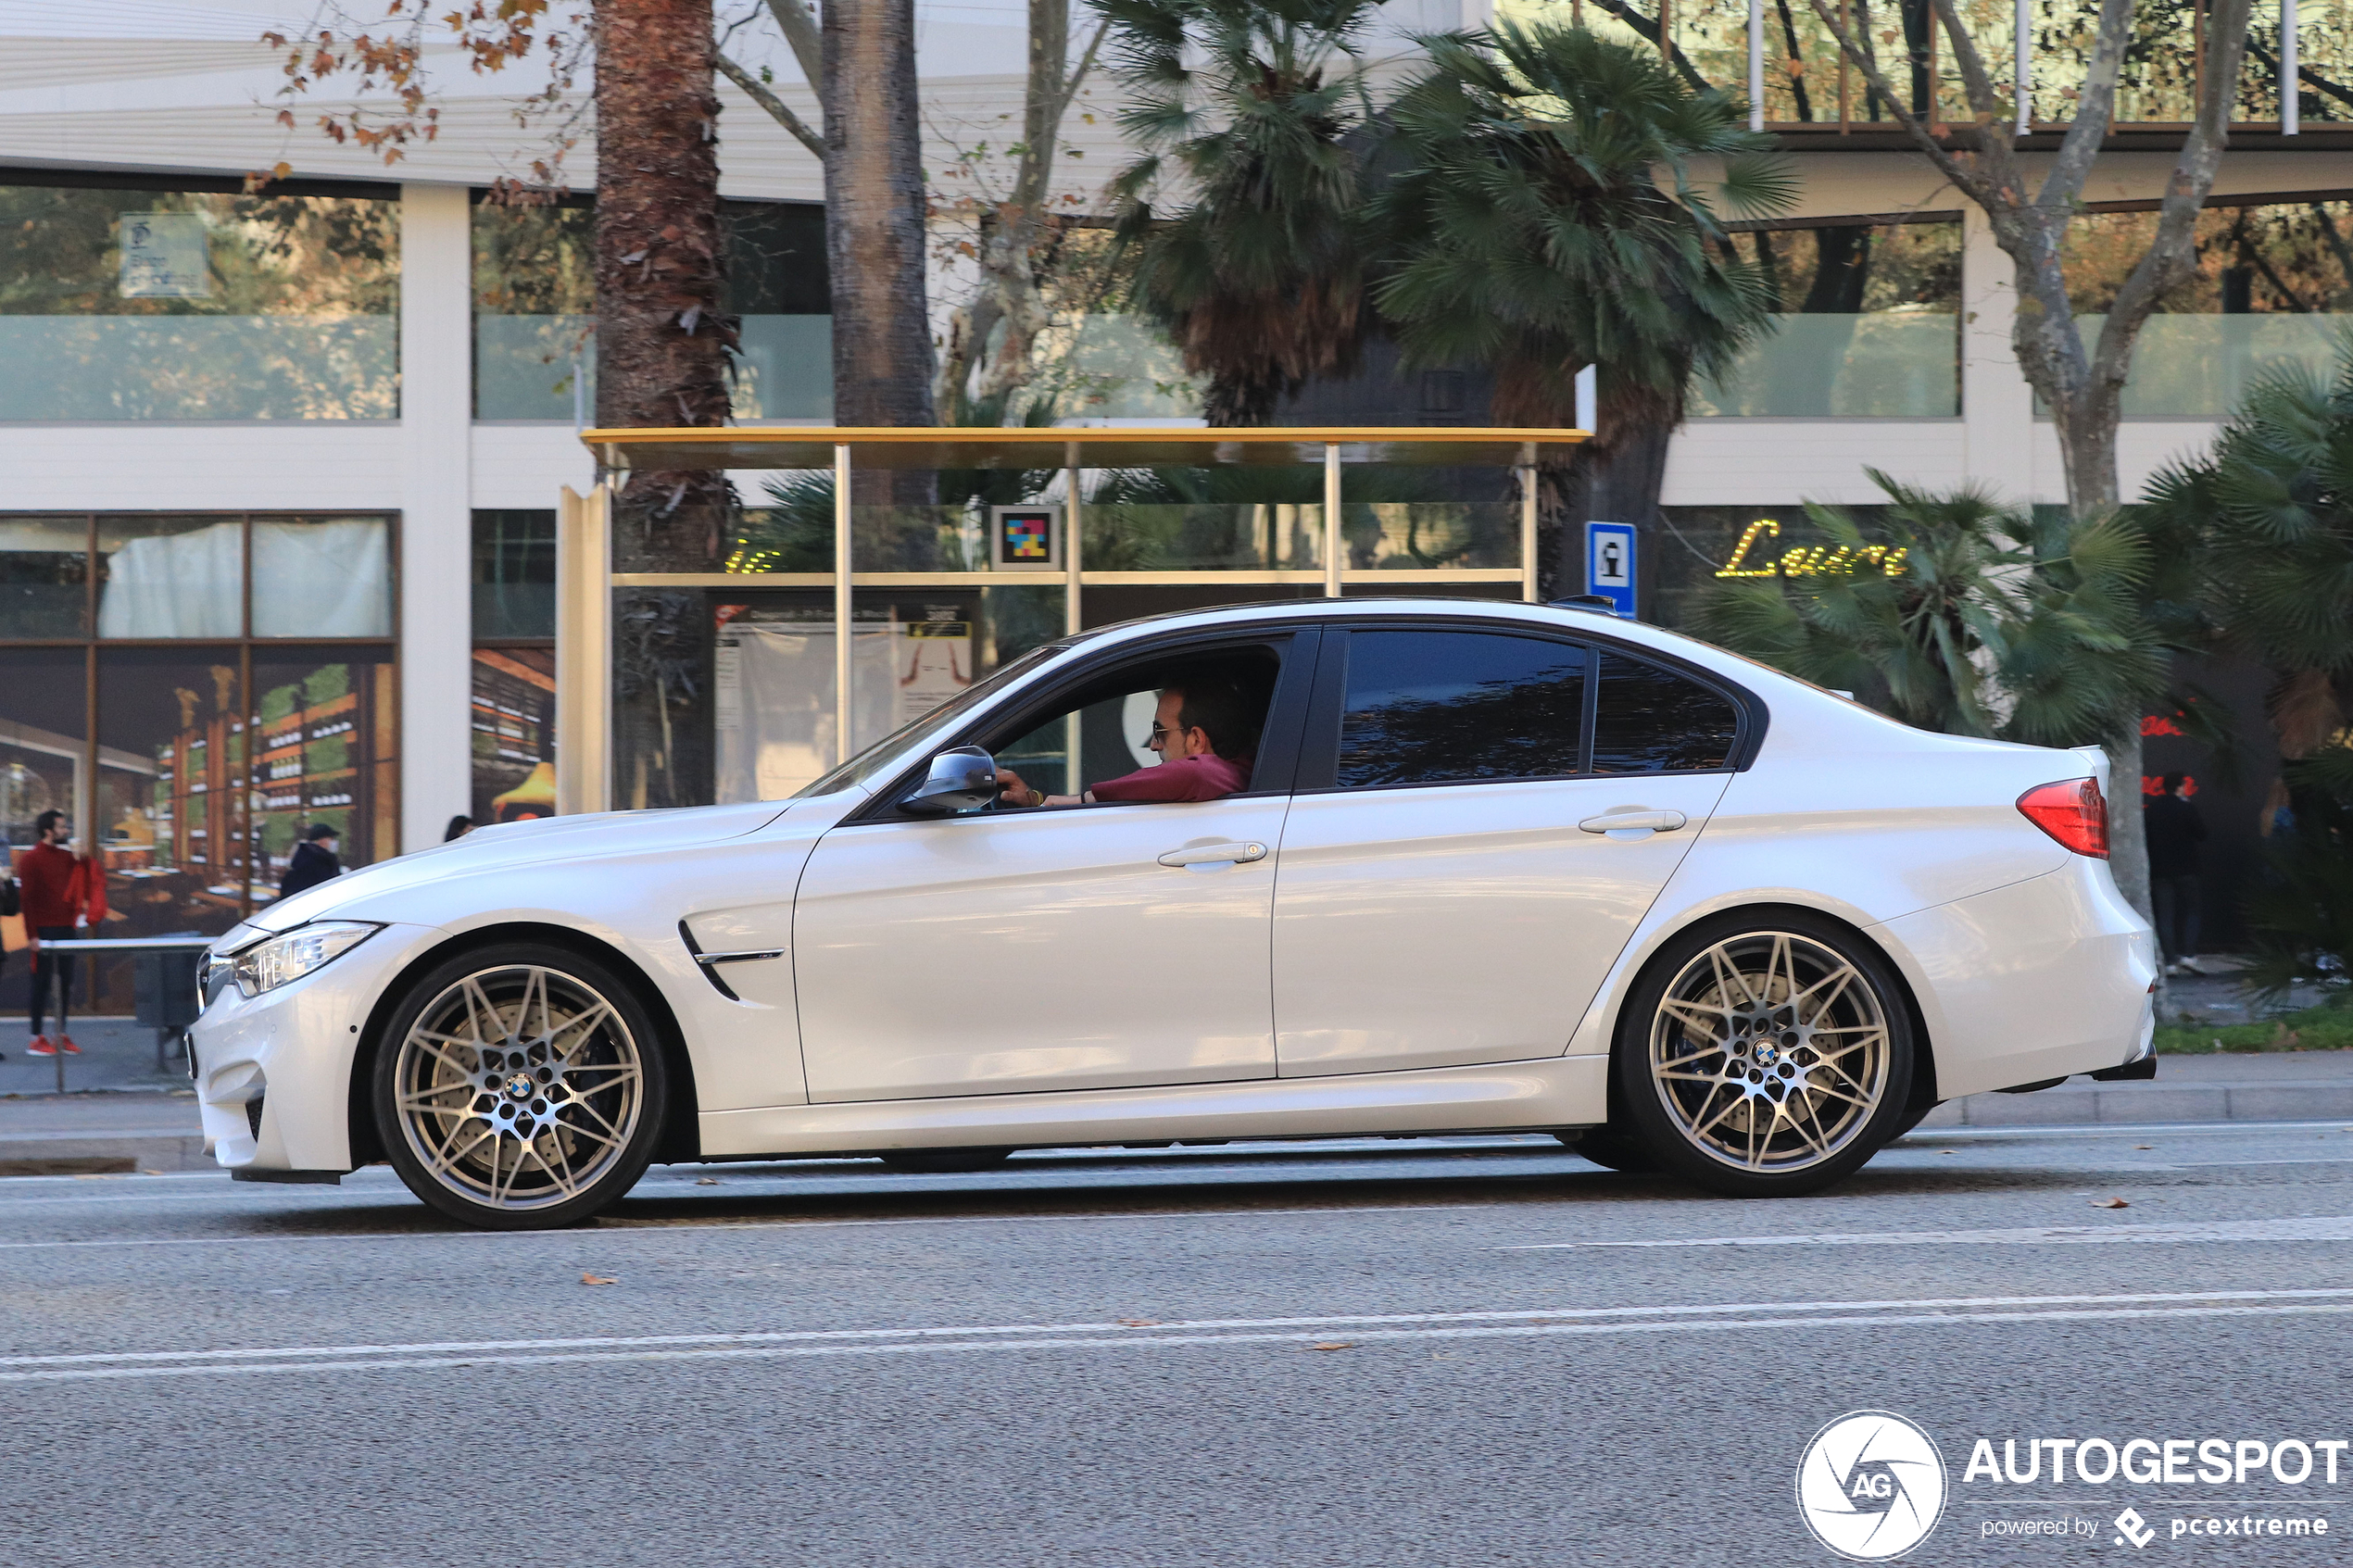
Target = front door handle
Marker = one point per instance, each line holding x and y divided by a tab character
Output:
1215	855
1615	822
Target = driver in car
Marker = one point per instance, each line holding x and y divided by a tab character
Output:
1203	731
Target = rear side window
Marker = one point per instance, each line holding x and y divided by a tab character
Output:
1434	707
1648	720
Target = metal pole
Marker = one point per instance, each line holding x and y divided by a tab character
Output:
1331	521
1528	521
2023	60
1756	65
841	603
2291	121
1074	561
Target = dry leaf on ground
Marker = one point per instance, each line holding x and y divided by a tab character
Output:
2111	1204
596	1279
1334	1345
706	1181
1139	1323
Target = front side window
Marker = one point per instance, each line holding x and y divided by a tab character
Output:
1200	717
1648	720
1442	706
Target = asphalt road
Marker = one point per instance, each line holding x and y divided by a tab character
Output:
1475	1352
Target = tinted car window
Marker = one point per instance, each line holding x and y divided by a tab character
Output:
1430	705
1647	720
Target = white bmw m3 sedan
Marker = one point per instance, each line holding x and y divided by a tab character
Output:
1320	869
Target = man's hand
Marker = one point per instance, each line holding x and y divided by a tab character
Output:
1017	792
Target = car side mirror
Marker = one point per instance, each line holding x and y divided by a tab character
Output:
958	780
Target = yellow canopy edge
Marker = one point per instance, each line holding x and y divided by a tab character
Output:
966	446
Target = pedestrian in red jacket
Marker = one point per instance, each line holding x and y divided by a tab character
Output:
61	891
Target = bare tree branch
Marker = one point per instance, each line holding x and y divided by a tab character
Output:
2095	108
1865	59
778	110
807	38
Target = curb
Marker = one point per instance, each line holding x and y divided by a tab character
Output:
40	1154
2074	1104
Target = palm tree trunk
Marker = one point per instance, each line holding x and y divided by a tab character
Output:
875	204
662	359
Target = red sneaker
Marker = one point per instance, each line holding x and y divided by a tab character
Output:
40	1046
65	1044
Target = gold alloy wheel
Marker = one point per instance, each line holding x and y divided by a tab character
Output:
519	1088
1771	1052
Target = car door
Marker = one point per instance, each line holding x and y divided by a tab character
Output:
1093	947
1452	889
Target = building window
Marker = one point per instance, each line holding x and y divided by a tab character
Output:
514	666
2273	288
141	304
200	690
535	330
1868	325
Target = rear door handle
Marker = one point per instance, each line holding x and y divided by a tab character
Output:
1626	821
1215	855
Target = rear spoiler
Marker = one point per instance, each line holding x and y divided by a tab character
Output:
2096	759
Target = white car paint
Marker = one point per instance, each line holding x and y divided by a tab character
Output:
1413	979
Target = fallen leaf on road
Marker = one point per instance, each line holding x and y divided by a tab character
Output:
2144	1146
1948	1151
1139	1323
596	1279
2111	1204
706	1181
1334	1345
151	1173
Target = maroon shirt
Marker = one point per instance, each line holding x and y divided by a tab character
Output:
52	885
1184	778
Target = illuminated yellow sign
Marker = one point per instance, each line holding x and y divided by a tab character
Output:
1808	560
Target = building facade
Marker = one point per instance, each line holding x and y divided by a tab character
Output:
279	471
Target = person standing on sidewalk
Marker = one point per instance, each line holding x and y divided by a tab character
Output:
2175	829
62	891
313	862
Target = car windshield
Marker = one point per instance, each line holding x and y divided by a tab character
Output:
931	726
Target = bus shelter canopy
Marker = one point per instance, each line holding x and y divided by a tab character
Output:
806	446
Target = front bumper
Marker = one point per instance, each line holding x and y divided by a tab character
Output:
273	1071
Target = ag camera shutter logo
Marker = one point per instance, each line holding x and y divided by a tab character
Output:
1871	1485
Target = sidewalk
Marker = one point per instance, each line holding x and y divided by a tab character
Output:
2271	1087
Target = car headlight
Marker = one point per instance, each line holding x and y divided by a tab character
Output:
265	966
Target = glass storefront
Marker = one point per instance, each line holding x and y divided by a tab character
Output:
1807	84
141	304
534	290
1868	325
197	691
2273	288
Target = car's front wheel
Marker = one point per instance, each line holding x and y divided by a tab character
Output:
520	1087
1766	1056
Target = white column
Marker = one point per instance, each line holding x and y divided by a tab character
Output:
1331	521
843	606
2022	61
436	519
584	651
2290	117
1997	407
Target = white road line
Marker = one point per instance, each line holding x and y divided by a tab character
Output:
1163	1341
1121	1330
2323	1227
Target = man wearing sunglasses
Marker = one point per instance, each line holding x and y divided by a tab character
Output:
1206	732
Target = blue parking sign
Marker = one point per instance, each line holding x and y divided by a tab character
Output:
1609	564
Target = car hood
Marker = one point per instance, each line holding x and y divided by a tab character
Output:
524	844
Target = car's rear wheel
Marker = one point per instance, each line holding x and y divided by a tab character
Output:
1766	1056
520	1087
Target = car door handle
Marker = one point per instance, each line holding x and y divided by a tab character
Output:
1215	855
1623	821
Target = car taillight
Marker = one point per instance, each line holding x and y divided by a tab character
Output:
2071	811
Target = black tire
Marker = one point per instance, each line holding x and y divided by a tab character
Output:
552	1091
1612	1149
1739	1092
945	1161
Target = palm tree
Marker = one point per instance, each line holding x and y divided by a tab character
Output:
2272	509
1548	216
1245	110
1954	614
